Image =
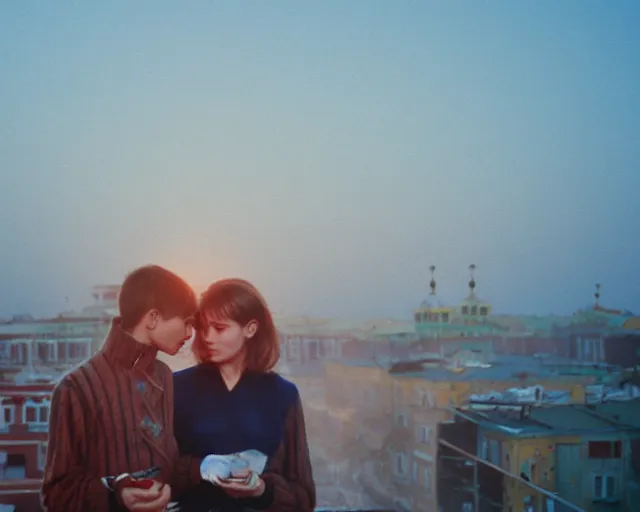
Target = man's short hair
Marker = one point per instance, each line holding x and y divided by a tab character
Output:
154	287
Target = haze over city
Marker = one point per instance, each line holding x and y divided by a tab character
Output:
329	152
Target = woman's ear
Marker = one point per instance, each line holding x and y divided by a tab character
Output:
250	329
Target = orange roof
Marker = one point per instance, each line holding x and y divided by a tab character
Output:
598	307
632	323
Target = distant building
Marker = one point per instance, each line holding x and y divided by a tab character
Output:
105	303
388	412
593	334
306	340
47	346
434	319
582	453
24	420
33	355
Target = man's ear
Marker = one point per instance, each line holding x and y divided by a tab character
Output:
151	319
250	329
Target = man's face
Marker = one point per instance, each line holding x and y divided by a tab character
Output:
171	334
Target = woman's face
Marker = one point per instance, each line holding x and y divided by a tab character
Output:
224	340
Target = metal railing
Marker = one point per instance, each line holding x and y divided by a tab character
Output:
539	491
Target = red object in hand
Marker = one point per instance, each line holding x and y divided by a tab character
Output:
143	483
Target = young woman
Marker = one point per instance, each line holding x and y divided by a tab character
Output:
231	402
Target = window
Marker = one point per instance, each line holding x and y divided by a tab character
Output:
604	487
30	413
427	399
330	348
484	311
465	310
43	413
401	419
45	350
14	468
397	391
294	349
312	349
427	478
605	449
37	413
8	415
415	471
474	310
18	356
424	434
445	318
484	450
400	465
494	452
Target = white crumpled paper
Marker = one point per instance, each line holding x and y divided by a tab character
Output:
222	467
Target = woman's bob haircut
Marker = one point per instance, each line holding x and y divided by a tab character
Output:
239	301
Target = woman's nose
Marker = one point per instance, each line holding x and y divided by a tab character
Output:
209	335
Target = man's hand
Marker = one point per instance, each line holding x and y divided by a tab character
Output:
154	499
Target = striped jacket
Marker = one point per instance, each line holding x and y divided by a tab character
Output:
112	415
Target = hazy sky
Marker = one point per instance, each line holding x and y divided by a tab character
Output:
328	151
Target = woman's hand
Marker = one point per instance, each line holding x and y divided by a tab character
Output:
252	488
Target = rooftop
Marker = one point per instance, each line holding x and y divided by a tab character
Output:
504	367
575	419
340	327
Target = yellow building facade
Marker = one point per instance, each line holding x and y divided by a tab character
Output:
581	453
395	417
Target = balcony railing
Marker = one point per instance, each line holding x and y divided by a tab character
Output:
468	489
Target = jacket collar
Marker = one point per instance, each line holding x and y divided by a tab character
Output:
122	348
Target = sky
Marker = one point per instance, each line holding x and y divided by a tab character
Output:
329	152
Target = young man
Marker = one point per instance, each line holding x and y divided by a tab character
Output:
112	417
